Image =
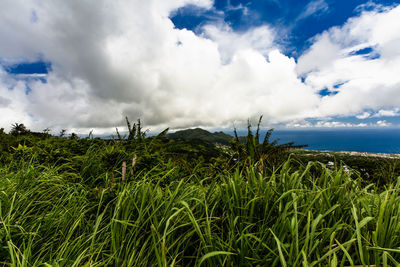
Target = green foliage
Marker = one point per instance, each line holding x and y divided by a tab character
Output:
200	134
374	169
69	202
267	154
19	129
135	131
159	218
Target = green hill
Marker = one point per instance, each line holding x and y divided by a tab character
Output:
201	134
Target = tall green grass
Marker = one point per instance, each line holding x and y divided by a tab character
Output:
311	216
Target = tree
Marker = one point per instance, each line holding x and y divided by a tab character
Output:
63	132
135	131
46	131
74	136
267	153
18	129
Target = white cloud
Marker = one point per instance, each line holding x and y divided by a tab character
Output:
363	115
13	103
126	58
370	82
338	124
314	8
383	123
4	102
299	124
229	42
387	113
335	124
230	7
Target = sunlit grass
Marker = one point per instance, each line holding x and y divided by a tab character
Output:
311	216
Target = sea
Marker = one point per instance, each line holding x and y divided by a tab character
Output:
360	140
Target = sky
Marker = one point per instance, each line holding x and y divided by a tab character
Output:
85	65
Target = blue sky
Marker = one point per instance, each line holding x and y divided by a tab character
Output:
302	64
298	20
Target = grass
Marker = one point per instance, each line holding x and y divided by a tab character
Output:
308	216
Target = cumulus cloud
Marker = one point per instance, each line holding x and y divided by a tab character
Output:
299	124
383	123
387	113
363	55
336	124
4	102
229	42
13	103
363	115
125	58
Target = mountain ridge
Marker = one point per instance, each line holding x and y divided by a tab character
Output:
201	134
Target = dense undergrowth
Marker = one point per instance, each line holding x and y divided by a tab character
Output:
67	202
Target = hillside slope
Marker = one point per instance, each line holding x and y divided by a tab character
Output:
201	134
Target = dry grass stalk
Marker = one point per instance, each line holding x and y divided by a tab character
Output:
123	170
133	162
112	181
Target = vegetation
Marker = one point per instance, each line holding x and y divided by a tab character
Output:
201	134
155	201
268	154
378	170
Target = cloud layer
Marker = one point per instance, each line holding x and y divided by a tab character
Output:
126	58
359	61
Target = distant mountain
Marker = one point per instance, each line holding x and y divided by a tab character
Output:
201	134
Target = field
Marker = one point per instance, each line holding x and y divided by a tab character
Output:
139	201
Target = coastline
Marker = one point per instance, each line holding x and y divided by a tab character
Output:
351	153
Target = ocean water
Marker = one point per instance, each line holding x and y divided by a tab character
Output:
361	140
